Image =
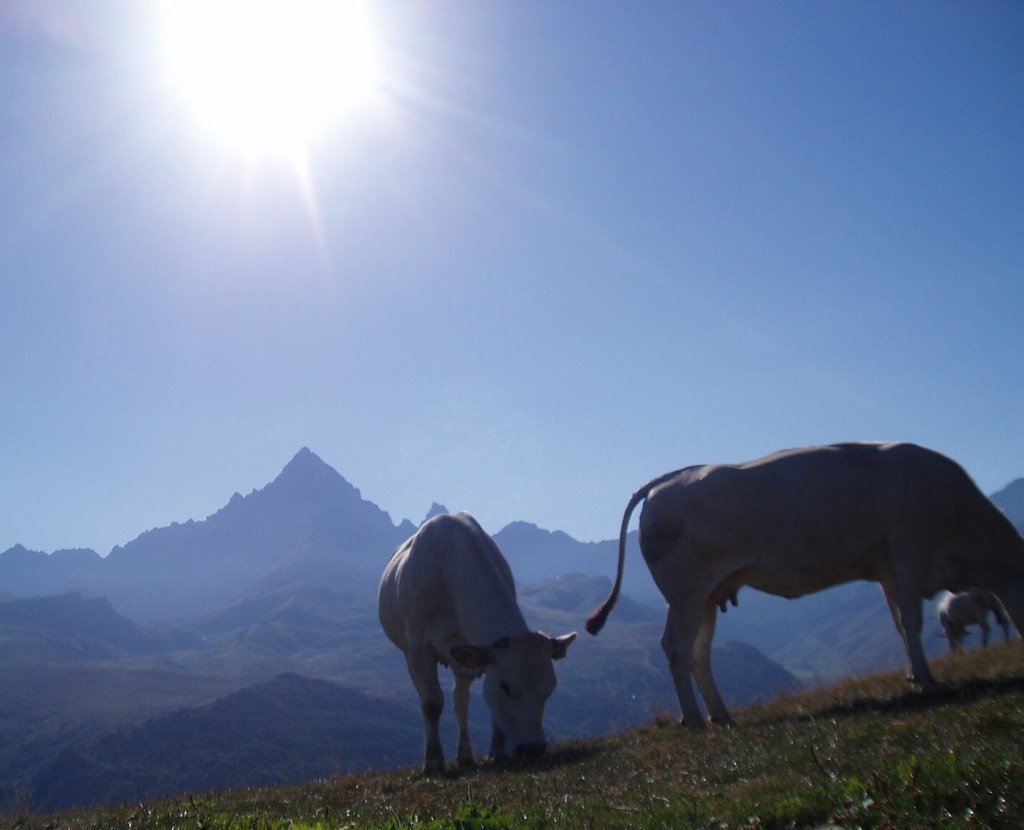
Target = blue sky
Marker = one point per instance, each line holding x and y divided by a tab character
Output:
565	248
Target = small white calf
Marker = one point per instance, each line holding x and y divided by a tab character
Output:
447	596
958	611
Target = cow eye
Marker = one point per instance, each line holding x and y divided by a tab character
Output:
504	687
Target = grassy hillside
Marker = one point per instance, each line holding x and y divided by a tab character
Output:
866	752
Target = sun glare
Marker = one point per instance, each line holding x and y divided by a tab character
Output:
269	76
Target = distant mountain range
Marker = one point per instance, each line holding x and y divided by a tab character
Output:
1011	501
284	731
153	669
308	524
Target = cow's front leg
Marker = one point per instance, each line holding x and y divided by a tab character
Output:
460	697
497	743
905	606
678	642
423	671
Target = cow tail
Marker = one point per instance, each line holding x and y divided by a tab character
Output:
597	620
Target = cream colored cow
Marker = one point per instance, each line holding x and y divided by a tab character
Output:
958	611
447	596
803	520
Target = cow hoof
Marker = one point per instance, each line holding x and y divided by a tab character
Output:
695	725
466	762
433	766
926	685
530	751
725	721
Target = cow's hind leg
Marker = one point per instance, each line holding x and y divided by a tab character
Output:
460	699
905	606
1001	620
678	643
702	666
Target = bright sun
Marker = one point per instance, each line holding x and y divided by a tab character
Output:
269	76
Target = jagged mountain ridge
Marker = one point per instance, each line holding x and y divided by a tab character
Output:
26	572
307	524
532	550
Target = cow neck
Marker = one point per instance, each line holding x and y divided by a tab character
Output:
491	614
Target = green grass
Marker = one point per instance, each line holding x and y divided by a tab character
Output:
864	753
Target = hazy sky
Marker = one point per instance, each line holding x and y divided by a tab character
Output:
561	248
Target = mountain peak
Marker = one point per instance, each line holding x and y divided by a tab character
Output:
305	459
435	510
308	471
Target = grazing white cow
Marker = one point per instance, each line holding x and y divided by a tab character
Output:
447	596
958	611
803	520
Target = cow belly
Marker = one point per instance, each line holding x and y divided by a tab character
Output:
793	584
814	569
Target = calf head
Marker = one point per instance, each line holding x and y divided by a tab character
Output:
518	679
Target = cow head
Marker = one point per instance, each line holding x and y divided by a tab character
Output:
518	680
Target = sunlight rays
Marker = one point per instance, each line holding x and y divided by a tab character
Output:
268	77
267	84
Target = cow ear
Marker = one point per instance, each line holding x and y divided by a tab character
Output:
471	657
560	645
